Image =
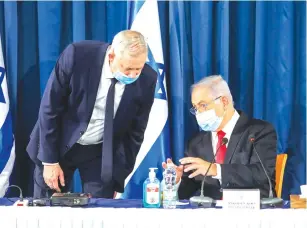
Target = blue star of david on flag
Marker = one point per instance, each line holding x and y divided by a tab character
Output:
160	92
2	72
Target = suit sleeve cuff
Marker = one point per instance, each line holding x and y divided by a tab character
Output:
44	163
218	173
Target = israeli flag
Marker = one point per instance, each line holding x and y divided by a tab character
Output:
144	17
7	142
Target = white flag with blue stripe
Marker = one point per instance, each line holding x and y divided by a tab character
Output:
144	16
7	142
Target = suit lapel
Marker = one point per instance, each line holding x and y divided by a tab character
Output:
206	145
94	78
235	137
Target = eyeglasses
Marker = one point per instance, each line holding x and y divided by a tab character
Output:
202	107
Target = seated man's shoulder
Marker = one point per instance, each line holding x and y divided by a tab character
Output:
261	124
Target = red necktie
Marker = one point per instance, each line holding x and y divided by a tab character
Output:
220	149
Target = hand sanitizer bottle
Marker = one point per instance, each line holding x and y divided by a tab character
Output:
152	190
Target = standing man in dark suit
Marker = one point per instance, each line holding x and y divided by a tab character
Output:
93	115
236	163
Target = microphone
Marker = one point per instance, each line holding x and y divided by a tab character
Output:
271	200
204	200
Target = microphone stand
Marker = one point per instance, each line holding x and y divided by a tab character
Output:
205	201
271	201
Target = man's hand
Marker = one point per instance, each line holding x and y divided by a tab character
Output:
199	167
53	173
179	169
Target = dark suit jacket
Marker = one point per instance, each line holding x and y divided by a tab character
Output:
241	168
68	102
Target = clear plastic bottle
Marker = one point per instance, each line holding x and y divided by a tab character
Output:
169	187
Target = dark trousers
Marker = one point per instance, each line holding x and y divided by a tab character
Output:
85	158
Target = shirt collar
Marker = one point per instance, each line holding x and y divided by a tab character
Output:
228	128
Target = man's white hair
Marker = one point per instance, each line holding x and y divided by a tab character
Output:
129	42
216	85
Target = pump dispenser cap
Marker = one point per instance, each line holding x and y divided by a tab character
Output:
152	173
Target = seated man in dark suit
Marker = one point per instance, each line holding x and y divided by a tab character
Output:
93	115
236	164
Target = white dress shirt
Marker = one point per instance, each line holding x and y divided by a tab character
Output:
95	128
228	130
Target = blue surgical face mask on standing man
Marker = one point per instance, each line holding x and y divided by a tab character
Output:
124	78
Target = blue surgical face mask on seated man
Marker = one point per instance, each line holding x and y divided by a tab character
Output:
208	120
124	78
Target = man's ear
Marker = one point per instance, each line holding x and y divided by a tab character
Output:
225	101
111	54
